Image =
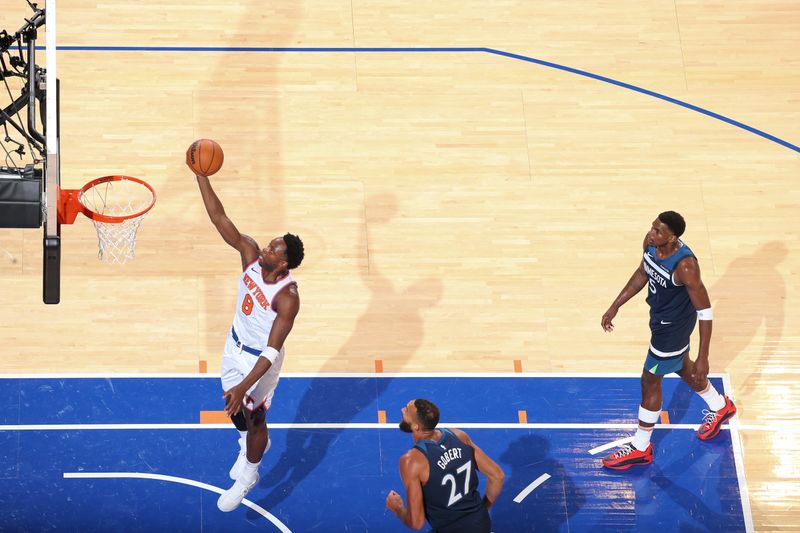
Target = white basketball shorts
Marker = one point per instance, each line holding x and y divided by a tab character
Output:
236	364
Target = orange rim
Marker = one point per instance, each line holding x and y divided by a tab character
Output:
111	219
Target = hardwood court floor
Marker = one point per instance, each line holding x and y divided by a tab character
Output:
461	210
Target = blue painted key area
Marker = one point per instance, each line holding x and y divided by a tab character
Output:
336	479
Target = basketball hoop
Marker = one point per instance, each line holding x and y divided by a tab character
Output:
116	205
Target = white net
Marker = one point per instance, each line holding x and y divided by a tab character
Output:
121	199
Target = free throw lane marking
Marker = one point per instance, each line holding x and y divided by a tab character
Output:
214	417
614	444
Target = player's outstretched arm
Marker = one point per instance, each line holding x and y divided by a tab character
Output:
635	284
246	246
494	474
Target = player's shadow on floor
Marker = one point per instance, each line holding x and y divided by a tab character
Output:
391	325
678	406
327	400
712	500
711	459
546	508
750	297
342	401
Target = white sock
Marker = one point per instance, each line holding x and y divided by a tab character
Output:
250	470
714	399
641	439
243	441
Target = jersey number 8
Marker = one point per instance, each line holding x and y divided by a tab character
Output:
247	304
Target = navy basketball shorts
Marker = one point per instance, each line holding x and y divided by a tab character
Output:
669	344
477	522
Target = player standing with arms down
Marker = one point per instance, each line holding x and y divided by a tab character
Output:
677	299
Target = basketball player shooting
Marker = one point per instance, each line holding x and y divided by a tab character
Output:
266	308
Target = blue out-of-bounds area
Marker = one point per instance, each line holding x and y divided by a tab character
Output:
128	453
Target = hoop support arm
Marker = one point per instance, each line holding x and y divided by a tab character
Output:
69	206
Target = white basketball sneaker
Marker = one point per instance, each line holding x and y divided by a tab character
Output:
238	466
232	498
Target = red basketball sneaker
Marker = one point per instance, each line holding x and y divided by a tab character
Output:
713	420
628	456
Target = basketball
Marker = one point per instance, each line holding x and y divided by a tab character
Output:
204	157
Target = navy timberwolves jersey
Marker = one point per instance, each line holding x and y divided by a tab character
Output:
452	488
669	302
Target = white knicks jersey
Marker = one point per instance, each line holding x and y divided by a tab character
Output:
254	312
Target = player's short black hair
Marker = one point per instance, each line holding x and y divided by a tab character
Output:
427	413
674	222
294	250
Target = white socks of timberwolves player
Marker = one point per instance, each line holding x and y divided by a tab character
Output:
714	399
641	439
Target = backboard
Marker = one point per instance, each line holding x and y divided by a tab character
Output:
29	141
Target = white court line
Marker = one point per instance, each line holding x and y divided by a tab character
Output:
527	490
738	459
466	425
614	444
183	481
357	375
785	427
